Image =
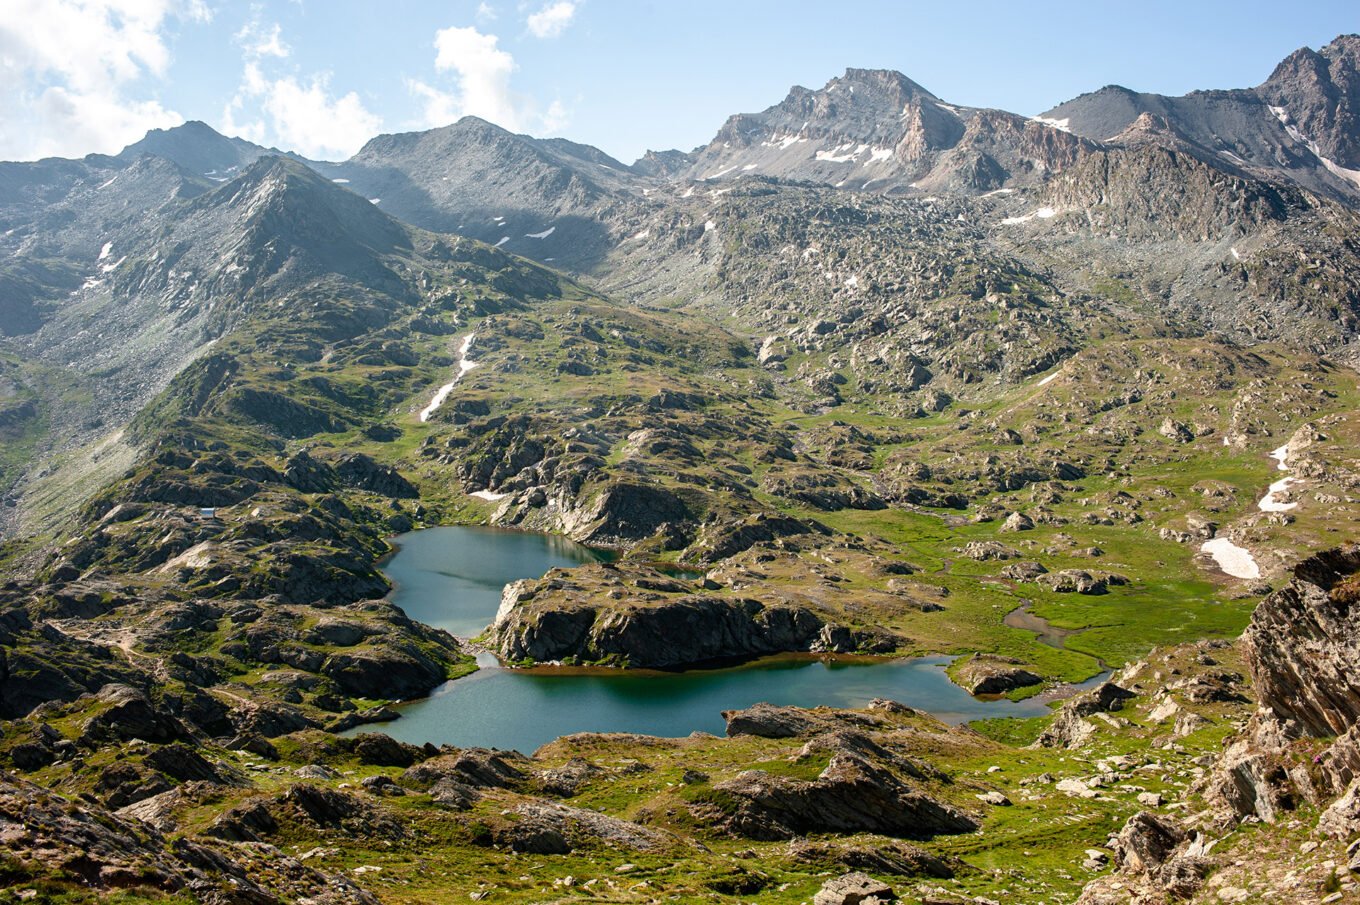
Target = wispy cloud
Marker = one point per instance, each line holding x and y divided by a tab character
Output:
551	20
68	69
259	40
285	109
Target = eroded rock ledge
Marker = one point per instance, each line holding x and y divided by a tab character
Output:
644	618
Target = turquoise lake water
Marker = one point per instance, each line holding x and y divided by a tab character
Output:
452	578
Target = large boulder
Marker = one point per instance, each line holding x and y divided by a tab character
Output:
992	674
1070	728
863	789
854	889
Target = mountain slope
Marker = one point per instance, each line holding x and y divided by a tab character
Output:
1299	125
547	199
1054	407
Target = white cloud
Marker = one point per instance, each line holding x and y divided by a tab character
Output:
299	116
440	107
67	68
552	20
260	41
486	12
482	72
555	118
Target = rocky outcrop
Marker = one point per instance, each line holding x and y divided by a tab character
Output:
992	674
685	630
1302	647
725	539
770	721
626	512
123	712
827	491
988	550
863	788
1079	581
475	767
39	664
854	889
548	620
399	670
896	858
1156	860
548	825
1070	728
48	837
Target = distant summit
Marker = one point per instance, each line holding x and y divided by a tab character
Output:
198	148
1301	124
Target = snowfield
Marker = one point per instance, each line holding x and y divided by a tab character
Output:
1232	559
465	364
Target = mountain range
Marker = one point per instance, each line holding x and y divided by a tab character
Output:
1061	397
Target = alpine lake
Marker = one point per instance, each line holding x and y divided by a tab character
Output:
452	577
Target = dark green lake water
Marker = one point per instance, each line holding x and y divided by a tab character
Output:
452	578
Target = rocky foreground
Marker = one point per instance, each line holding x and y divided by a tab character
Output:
1209	772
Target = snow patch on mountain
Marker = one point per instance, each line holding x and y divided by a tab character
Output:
1042	213
1285	120
1063	124
1232	559
845	153
1268	502
465	364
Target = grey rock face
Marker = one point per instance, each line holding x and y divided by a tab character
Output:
854	889
1070	728
685	630
862	789
1309	98
1301	645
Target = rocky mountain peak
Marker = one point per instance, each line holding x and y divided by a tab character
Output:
1320	92
280	217
864	105
469	130
887	87
198	148
662	163
868	126
1299	126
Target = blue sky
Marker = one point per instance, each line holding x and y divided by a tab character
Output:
320	78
